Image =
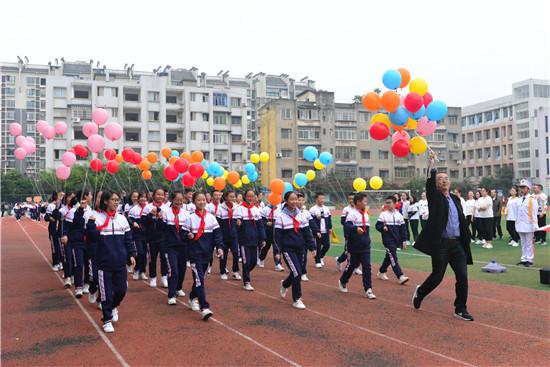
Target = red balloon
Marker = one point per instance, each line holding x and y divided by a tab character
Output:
112	167
181	165
196	170
379	131
110	154
413	102
96	165
170	173
127	154
427	98
136	158
400	148
188	180
81	151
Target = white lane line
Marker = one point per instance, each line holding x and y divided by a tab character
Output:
101	334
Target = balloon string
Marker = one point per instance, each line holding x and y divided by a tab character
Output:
102	181
84	184
146	187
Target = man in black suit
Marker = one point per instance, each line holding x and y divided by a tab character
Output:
446	239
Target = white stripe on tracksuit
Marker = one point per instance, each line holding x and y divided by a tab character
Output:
101	286
291	264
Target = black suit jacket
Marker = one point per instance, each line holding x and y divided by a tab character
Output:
429	240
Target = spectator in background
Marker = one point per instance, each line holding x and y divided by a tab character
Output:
469	208
404	210
458	194
484	210
526	222
542	199
510	211
497	214
477	232
414	216
4	208
423	210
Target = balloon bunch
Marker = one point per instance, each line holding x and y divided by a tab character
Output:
187	167
48	131
320	161
415	111
360	184
26	144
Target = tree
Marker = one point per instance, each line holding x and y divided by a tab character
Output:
16	187
357	98
377	90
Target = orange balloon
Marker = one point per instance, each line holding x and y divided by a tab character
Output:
277	186
275	199
371	101
172	160
144	165
118	158
147	175
219	183
166	152
187	156
405	77
233	177
390	101
152	157
398	128
197	156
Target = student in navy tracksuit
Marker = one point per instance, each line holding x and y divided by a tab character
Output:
114	247
52	217
90	274
64	225
269	213
251	234
293	236
357	228
152	220
323	219
204	235
135	218
226	220
394	234
213	203
313	229
176	229
344	256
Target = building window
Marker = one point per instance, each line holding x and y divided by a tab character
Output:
286	133
81	94
131	96
287	153
8	92
521	92
452	119
496	133
363	134
59	92
31	105
404	172
131	136
171	99
286	173
8	79
236	120
487	134
524	154
153	136
489	116
153	96
31	93
522	115
154	116
131	116
365	171
345	115
31	116
365	154
479	153
220	156
345	153
384	173
32	80
171	117
9	103
220	118
236	157
383	155
286	114
236	138
107	92
309	133
8	115
220	99
81	112
346	133
308	114
206	137
220	138
523	134
235	102
496	153
78	134
171	137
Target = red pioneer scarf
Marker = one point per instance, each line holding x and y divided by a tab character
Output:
201	225
176	212
106	223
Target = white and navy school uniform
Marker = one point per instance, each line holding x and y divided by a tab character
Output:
526	225
190	207
76	233
424	212
391	239
154	234
344	256
414	218
314	230
226	219
52	217
542	199
358	246
511	218
207	236
66	222
269	213
293	236
115	246
323	219
176	228
17	210
251	234
135	215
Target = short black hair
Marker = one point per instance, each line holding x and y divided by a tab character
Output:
54	196
157	189
301	195
226	193
392	198
317	194
359	197
351	194
188	190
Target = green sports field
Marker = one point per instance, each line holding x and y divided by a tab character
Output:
501	252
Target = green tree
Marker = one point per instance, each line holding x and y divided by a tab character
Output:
357	98
16	187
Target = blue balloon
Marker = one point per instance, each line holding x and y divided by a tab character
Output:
250	168
325	158
288	187
213	168
219	172
436	110
391	79
253	177
399	117
311	153
204	163
418	114
300	179
175	153
178	178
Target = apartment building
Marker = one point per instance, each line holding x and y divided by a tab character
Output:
543	126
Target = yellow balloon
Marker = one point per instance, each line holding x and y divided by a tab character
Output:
318	165
238	184
381	117
412	124
264	157
254	158
225	173
296	186
419	86
310	174
245	180
375	182
359	184
205	175
418	145
210	181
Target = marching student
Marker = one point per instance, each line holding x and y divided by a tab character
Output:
188	202
239	199
176	230
133	201
52	217
251	235
66	247
212	206
259	200
204	235
404	211
225	217
135	218
269	212
91	275
358	244
152	219
510	211
344	256
114	247
392	227
484	211
17	211
293	236
312	227
323	219
526	211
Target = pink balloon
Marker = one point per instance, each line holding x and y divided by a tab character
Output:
68	159
113	131
89	128
40	125
20	153
62	172
96	143
400	135
20	140
425	127
15	129
31	149
28	146
60	127
100	116
31	139
48	132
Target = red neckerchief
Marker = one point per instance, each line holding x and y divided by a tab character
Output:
295	221
106	223
249	207
176	212
201	225
363	212
257	205
272	213
216	208
229	211
142	207
158	206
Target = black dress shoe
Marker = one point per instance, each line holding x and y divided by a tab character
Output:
521	263
528	264
464	315
416	299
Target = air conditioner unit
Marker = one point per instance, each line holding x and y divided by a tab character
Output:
75	119
279	155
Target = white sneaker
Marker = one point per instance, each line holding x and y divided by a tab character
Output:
483	242
283	290
261	263
67	282
135	276
403	279
224	276
92	297
194	303
543	243
209	270
129	268
488	245
338	264
143	276
164	281
206	313
172	301
108	327
115	314
299	304
342	287
322	262
370	294
318	265
248	287
358	271
78	293
180	293
60	266
510	242
86	288
153	282
240	259
188	264
237	276
55	267
305	278
99	307
515	244
279	267
382	276
478	242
